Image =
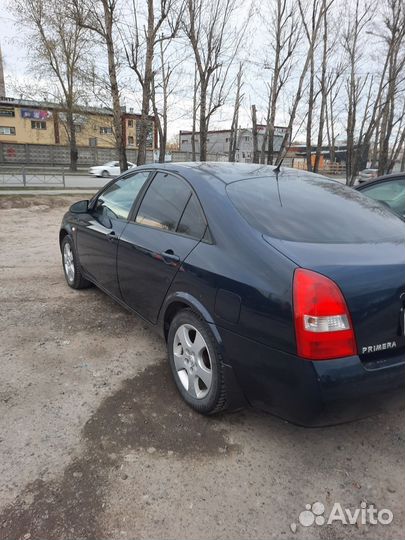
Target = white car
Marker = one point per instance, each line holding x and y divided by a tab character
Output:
112	168
367	174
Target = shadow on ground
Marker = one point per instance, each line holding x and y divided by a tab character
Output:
145	414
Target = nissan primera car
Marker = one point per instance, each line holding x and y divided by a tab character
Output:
278	288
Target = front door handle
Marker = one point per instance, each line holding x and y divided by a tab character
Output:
169	256
111	236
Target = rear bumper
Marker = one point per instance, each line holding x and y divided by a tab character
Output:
314	393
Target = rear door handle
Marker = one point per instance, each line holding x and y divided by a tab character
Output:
169	256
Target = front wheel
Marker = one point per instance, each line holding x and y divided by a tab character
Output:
196	363
105	174
71	268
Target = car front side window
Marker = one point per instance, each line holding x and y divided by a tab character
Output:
117	200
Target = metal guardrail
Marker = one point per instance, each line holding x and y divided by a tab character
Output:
25	178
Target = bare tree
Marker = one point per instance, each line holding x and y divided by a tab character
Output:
284	29
100	17
214	43
394	39
356	84
329	78
163	88
140	55
60	45
318	8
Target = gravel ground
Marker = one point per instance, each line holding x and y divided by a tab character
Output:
96	443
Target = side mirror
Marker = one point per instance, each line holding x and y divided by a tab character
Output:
80	207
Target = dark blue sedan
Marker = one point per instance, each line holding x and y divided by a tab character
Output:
282	289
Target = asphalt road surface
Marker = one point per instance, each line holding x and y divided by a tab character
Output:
95	442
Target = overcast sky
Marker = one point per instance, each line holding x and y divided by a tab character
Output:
14	45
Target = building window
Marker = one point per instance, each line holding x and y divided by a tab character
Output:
130	123
247	139
93	141
104	130
78	128
7	111
38	124
5	130
130	140
227	139
184	141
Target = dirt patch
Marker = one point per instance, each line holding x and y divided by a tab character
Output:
42	201
147	416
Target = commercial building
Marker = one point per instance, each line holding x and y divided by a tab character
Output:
218	142
37	132
35	122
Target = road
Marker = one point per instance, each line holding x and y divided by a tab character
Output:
96	443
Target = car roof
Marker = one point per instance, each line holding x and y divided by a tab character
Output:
229	172
383	178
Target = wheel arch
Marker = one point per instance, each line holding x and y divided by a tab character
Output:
177	302
62	233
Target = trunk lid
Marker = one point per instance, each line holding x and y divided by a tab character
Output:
372	280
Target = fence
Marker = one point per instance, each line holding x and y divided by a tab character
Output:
57	156
25	178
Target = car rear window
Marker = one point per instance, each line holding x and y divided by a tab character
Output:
306	208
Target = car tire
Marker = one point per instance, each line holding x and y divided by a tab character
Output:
71	267
196	363
105	174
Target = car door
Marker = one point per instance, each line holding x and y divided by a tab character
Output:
168	225
115	169
98	231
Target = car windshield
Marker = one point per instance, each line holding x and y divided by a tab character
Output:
305	208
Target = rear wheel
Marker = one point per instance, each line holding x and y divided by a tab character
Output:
71	268
196	363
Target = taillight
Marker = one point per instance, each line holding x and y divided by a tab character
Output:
323	327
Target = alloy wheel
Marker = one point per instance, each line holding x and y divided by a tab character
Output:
69	262
192	361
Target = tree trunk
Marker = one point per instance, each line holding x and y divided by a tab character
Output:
74	154
193	148
203	122
324	92
235	118
146	88
120	143
254	135
266	133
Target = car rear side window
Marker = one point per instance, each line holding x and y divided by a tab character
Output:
192	222
164	202
310	208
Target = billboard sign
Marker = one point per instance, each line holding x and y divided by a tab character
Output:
36	114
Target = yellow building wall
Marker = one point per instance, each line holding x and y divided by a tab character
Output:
130	132
24	133
89	127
